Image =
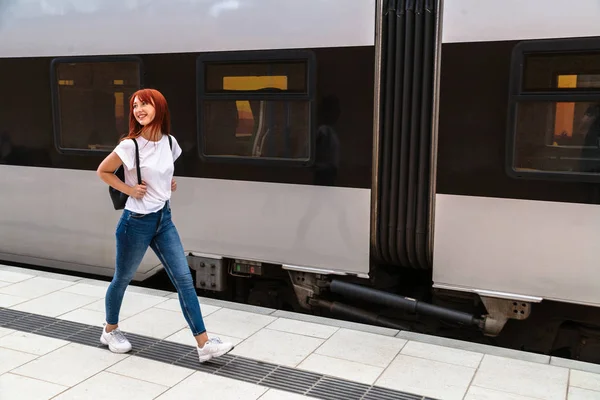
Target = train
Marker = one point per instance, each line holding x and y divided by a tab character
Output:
429	165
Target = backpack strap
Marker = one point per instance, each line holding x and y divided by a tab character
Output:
137	161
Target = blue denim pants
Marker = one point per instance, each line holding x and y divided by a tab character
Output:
135	232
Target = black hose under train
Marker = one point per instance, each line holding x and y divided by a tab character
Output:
358	314
403	187
369	295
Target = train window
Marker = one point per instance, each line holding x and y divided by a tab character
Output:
256	107
564	72
91	101
289	77
554	110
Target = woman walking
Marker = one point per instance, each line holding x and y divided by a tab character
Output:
146	219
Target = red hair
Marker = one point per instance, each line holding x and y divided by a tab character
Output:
162	118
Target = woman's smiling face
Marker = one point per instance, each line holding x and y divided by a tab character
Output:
143	112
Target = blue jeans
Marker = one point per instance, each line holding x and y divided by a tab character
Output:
135	232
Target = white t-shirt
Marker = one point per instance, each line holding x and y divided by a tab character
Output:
156	167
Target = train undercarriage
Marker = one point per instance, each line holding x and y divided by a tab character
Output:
404	299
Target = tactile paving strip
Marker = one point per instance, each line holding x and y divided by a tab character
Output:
235	367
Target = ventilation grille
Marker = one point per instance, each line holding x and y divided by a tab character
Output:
234	367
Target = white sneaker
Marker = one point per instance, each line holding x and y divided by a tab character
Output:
115	340
213	348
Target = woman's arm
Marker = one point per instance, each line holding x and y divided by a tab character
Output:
106	172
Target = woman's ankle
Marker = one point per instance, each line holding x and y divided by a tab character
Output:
201	339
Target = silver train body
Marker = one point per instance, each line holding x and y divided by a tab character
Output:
500	223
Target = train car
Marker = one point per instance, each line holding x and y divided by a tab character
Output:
420	164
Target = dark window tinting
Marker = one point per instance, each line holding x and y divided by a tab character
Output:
256	107
256	128
554	119
91	102
289	77
564	72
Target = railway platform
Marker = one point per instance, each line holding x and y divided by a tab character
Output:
50	326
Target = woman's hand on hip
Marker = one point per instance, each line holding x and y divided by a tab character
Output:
138	191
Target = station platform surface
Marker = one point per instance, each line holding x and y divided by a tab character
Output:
50	326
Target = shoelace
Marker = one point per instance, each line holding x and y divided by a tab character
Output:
118	335
215	341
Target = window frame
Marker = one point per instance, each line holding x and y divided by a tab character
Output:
517	94
54	89
249	57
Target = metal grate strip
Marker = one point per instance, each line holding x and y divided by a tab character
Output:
168	350
88	337
37	321
235	367
338	389
11	317
21	324
291	380
379	393
5	319
74	326
7	313
139	343
191	361
165	352
246	370
60	330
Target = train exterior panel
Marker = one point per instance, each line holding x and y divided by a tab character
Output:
503	228
271	213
